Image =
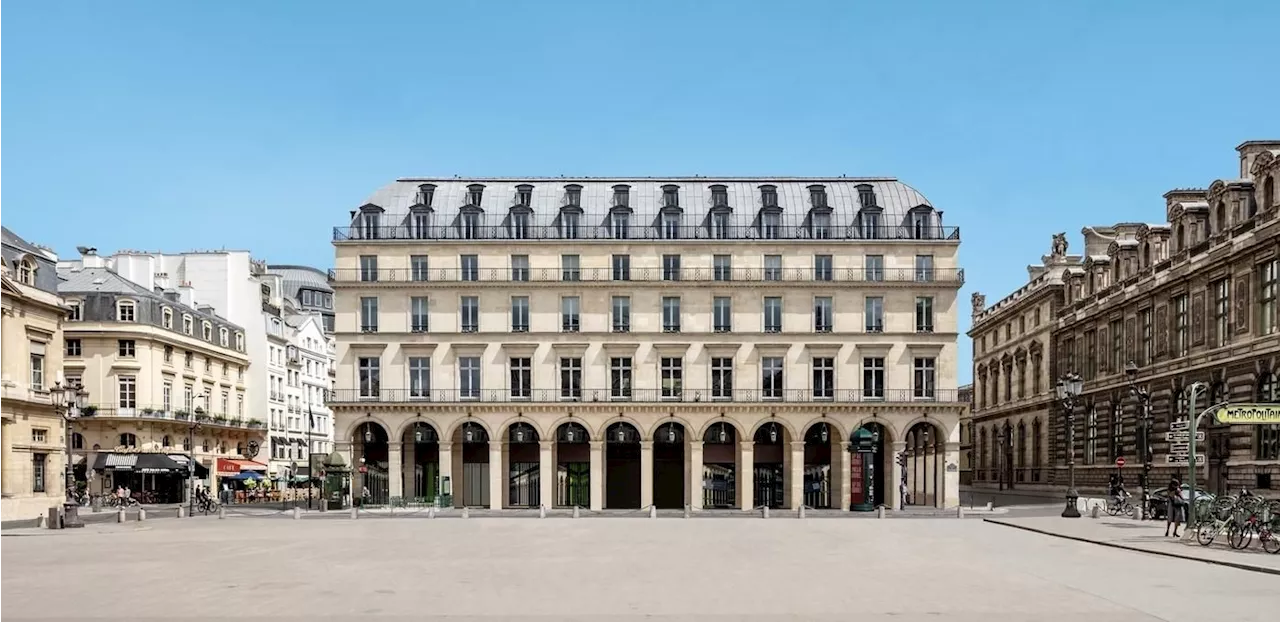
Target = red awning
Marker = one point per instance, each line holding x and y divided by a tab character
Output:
228	466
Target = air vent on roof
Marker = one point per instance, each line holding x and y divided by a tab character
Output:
99	281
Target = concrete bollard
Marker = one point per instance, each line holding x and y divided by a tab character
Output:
297	513
542	511
764	511
1136	513
880	512
466	512
354	513
222	512
431	512
960	512
686	511
142	514
120	518
182	511
1095	511
51	523
653	511
800	512
576	514
989	506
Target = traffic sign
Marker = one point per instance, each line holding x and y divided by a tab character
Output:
1120	461
1183	459
1184	436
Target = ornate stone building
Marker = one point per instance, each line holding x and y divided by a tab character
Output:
666	342
1014	371
33	437
1190	300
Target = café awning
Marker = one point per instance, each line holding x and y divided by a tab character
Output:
138	463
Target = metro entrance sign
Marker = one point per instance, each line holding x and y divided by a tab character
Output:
1256	414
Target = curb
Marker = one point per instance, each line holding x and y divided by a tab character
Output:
1216	562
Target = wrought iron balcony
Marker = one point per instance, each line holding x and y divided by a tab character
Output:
159	413
684	395
940	276
363	233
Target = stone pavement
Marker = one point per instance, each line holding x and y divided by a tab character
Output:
1148	537
606	569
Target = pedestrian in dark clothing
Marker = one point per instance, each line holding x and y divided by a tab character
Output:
1173	512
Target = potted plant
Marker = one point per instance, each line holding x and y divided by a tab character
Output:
255	423
148	411
88	411
181	415
201	417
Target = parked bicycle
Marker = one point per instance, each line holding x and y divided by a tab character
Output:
114	501
1240	518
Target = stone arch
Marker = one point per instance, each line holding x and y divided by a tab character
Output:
457	425
885	425
902	431
604	427
841	432
350	430
733	422
688	427
782	422
506	425
409	423
554	428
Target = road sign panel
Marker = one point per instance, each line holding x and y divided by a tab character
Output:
1120	461
1179	425
1183	459
1184	436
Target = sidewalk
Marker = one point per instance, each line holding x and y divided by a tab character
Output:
1146	537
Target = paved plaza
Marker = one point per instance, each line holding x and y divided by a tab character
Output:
264	568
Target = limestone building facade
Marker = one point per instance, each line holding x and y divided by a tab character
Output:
626	343
33	436
166	378
1192	299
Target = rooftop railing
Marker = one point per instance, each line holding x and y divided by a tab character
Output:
945	276
684	395
361	232
159	413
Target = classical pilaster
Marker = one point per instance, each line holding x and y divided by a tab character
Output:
795	476
497	474
746	474
693	488
445	473
546	474
951	478
395	470
597	475
840	475
646	474
894	480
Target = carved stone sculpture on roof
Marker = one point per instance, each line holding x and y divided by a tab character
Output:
1059	248
978	302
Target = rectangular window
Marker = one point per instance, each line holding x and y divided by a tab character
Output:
621	314
924	268
924	314
622	267
521	378
924	382
73	347
670	314
368	267
824	378
1222	312
188	359
469	377
370	370
470	225
420	376
874	314
520	225
871	228
873	267
1268	279
719	196
1117	346
1090	356
520	268
38	462
418	322
670	226
419	269
368	314
1148	344
873	378
771	377
569	318
519	314
722	314
37	369
570	378
773	267
820	224
720	226
469	268
822	268
671	267
128	391
1181	340
773	314
569	268
823	314
620	378
188	397
722	267
620	225
1091	437
166	396
771	225
570	225
672	369
73	315
127	348
722	377
470	314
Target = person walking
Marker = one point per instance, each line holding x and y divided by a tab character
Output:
1173	511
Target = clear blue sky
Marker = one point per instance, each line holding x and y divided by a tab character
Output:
179	125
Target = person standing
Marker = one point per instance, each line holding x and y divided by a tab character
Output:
1173	511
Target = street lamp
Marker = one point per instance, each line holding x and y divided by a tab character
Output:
191	452
1069	388
1144	396
68	401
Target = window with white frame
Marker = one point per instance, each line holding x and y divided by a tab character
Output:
519	268
873	267
469	377
570	320
771	377
370	370
570	268
469	268
822	268
722	267
823	314
924	314
622	267
570	378
75	311
368	314
127	391
670	314
418	322
773	314
672	375
521	378
470	314
126	311
37	366
419	268
873	378
223	337
722	377
420	377
874	314
620	377
925	378
824	378
519	314
188	324
621	310
722	314
773	267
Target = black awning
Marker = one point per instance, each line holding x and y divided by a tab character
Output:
157	463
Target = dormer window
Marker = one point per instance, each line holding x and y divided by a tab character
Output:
126	311
166	318
671	226
206	331
671	196
222	337
475	192
524	195
520	225
866	195
719	196
619	224
573	195
27	272
469	225
820	225
426	194
240	342
369	224
818	196
570	224
922	223
720	225
188	324
768	196
770	225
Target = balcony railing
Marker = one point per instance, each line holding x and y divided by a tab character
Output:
159	413
363	232
947	276
340	396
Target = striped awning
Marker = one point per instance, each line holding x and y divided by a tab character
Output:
119	461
